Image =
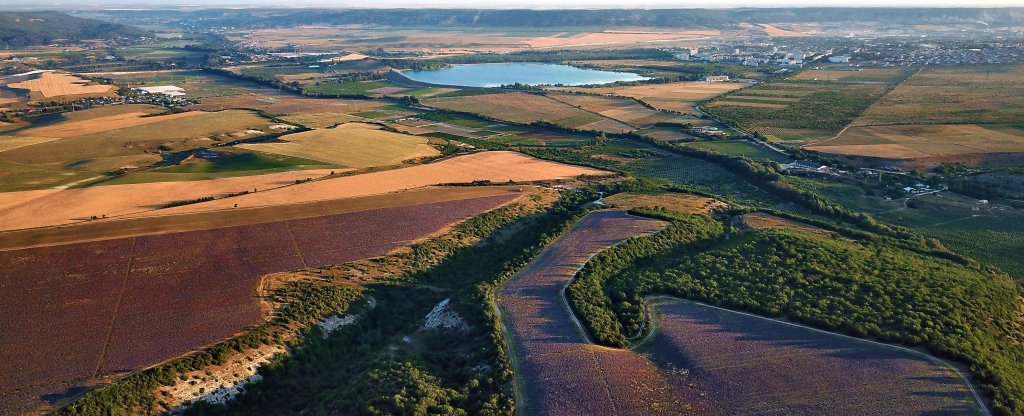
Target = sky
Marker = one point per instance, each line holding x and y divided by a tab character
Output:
506	4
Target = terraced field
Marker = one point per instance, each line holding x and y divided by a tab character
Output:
76	312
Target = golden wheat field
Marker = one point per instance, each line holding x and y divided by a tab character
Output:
56	84
354	145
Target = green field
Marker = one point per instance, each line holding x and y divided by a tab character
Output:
741	148
820	110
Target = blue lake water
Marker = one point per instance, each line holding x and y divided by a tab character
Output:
496	75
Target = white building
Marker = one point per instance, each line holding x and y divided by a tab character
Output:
839	59
168	90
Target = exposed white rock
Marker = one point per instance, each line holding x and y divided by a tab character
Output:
443	316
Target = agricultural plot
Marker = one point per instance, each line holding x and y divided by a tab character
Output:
795	110
979	94
495	167
224	162
84	311
528	108
741	148
197	84
760	221
623	110
744	364
555	367
929	144
135	141
941	114
687	203
54	86
130	227
853	75
98	120
48	207
353	145
674	96
707	176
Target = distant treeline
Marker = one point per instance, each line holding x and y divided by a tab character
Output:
690	18
20	29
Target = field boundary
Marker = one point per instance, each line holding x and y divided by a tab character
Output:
117	309
981	404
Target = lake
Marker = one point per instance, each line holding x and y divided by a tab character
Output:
496	75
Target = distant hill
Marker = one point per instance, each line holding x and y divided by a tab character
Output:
19	29
690	18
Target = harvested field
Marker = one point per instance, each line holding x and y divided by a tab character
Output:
886	75
686	203
675	96
130	227
27	209
556	367
14	142
524	108
49	85
886	151
777	100
978	94
141	142
759	221
83	125
321	120
354	145
497	167
617	38
624	110
728	102
775	31
821	110
922	141
751	365
610	126
78	312
275	102
42	208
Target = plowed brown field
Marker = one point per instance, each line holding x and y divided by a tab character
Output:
75	312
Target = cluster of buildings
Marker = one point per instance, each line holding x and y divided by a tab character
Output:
916	51
751	55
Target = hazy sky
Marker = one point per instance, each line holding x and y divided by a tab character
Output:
542	4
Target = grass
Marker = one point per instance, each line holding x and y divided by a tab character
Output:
741	148
520	107
347	88
139	145
522	140
705	176
24	177
975	94
354	145
993	237
455	119
820	109
677	202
